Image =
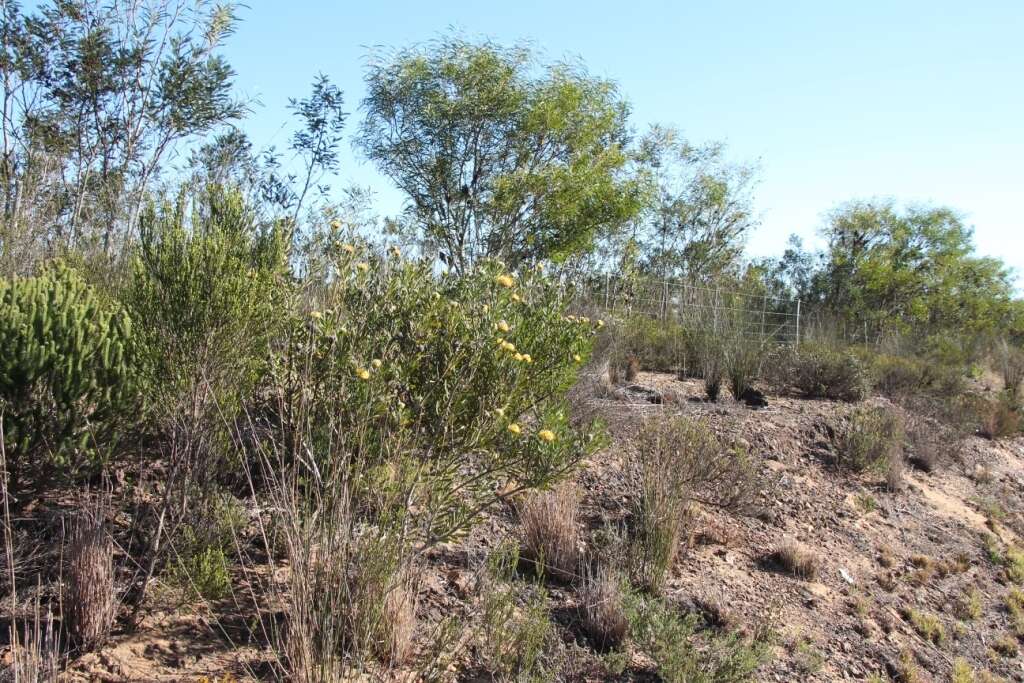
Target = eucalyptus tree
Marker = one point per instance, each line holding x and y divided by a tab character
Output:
96	95
498	155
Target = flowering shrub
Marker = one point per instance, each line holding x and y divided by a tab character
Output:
434	396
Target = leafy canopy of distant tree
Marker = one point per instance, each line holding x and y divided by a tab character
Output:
909	271
96	94
499	156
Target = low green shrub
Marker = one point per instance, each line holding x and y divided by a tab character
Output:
870	438
899	376
682	654
817	371
69	375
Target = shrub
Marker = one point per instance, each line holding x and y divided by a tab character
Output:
449	388
928	626
204	573
550	532
682	655
821	372
900	377
69	374
871	438
712	367
91	600
742	361
604	616
208	280
515	632
998	418
680	461
796	559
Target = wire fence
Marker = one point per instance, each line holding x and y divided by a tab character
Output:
720	311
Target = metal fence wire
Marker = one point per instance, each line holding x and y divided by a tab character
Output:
721	311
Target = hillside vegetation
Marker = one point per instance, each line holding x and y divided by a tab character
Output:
252	430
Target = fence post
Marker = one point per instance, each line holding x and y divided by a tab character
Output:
798	322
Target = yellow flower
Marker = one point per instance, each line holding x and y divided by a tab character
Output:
515	297
348	248
316	315
500	412
508	346
395	252
571	318
576	357
503	326
505	281
584	319
514	428
362	373
335	225
546	435
540	267
600	323
362	267
376	363
501	341
527	358
519	356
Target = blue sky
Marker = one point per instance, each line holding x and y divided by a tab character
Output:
922	101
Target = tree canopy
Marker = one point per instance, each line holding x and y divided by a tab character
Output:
500	157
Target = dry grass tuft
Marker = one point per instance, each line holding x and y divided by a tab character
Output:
550	533
604	615
797	559
91	601
632	368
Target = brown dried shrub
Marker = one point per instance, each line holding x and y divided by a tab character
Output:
550	533
92	600
797	559
603	610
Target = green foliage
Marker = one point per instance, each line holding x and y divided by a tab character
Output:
69	373
870	437
902	376
515	628
927	625
99	95
208	287
496	160
681	654
203	573
696	223
818	371
449	386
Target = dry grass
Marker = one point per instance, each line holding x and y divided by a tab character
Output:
632	368
603	612
550	533
91	601
797	559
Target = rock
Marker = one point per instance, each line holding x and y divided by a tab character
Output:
846	575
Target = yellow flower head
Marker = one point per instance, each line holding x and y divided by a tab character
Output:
577	357
348	248
486	308
584	319
376	363
362	267
503	326
600	323
505	281
316	315
501	341
362	373
527	358
335	225
396	252
519	356
571	318
540	267
546	435
508	346
500	412
515	297
514	428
